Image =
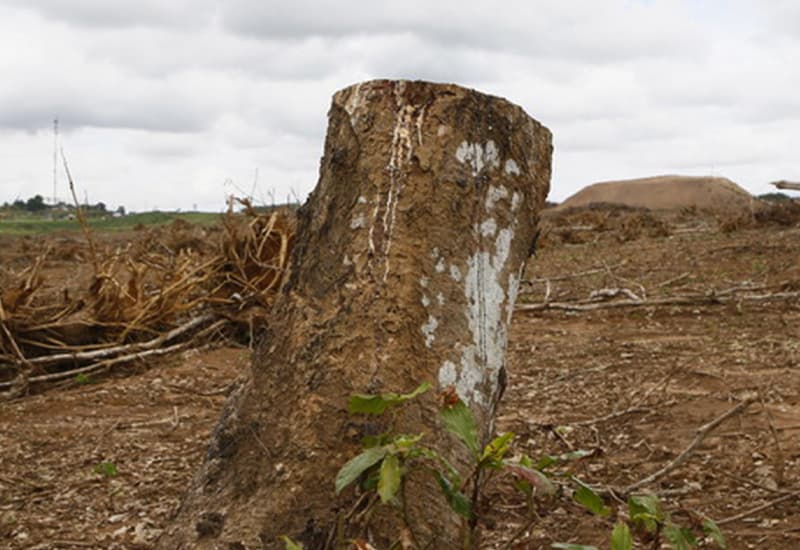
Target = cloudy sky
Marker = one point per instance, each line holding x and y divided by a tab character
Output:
177	103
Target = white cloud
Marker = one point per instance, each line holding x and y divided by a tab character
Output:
163	102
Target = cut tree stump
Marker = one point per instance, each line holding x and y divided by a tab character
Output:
405	269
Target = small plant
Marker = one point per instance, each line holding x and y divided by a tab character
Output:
83	379
651	525
386	459
106	469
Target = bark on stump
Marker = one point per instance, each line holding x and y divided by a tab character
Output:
405	269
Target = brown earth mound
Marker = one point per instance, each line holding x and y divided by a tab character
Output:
668	192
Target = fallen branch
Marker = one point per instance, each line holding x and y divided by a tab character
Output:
757	509
700	435
106	364
706	299
107	352
783	184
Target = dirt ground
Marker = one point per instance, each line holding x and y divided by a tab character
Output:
716	322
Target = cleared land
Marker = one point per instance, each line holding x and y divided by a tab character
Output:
634	330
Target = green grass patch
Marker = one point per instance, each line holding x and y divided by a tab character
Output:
36	225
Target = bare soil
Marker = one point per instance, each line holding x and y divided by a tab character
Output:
633	384
667	192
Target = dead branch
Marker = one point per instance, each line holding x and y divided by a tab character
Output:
106	352
603	293
751	511
700	435
570	275
674	280
106	364
79	214
783	184
689	300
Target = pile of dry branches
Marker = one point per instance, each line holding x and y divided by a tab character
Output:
158	296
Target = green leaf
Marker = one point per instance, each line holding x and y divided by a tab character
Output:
460	504
357	465
495	451
568	546
591	501
377	404
389	481
645	511
681	538
458	419
290	544
548	460
534	477
621	538
712	531
545	462
405	443
107	469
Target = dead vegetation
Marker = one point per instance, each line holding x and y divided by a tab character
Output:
170	289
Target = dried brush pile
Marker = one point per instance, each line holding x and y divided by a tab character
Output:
176	287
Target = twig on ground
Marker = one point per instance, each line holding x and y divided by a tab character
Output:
521	531
701	434
757	509
674	280
713	299
779	462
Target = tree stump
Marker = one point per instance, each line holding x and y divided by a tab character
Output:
405	269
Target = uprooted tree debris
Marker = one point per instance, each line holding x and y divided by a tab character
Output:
146	299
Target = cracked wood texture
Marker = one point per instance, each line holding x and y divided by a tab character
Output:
407	260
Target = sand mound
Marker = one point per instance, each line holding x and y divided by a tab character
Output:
667	192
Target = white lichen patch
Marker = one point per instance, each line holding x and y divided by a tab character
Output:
482	358
455	273
488	228
440	299
478	156
511	168
440	266
429	329
362	200
426	302
424	282
495	194
447	374
516	200
358	222
442	130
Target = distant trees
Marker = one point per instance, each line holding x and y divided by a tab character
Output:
36	204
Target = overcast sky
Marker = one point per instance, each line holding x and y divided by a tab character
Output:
175	103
